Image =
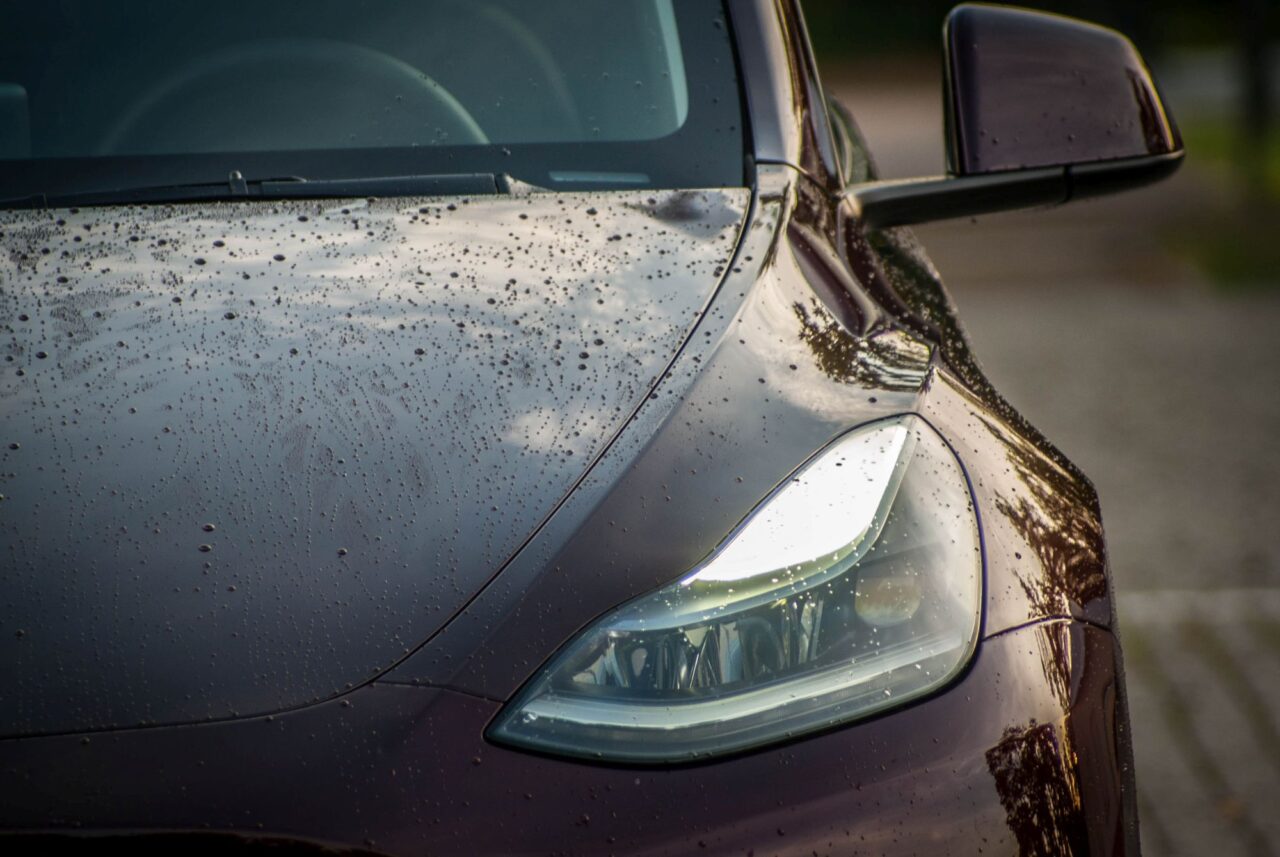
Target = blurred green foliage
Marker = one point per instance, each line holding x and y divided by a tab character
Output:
1235	245
1218	145
849	29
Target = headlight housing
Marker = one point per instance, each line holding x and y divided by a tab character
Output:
854	587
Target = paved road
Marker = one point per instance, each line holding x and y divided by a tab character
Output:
1167	393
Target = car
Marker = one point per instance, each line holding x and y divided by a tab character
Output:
487	428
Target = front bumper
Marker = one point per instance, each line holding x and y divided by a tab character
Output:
1027	754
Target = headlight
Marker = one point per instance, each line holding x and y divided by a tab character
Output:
854	587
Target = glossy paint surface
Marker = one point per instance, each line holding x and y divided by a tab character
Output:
1018	759
818	325
771	374
255	453
1028	89
1041	522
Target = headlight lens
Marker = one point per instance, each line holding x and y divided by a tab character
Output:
854	587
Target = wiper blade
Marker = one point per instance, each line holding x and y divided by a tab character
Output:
443	184
236	187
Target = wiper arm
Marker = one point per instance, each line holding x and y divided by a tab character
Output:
236	187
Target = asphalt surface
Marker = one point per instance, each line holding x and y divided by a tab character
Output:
1166	391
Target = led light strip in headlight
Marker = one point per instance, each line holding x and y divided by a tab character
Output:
854	587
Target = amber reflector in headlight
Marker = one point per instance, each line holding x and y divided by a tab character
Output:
856	586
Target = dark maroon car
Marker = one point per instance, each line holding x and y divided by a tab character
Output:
494	427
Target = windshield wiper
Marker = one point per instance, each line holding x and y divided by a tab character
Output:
236	187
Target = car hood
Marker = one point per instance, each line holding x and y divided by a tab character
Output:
254	454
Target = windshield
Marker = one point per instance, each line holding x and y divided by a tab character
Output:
97	96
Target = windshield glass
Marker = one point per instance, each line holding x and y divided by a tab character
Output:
97	96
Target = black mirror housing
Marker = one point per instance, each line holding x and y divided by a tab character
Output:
1028	89
1040	109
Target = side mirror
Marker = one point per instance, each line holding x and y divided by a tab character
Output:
1040	109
